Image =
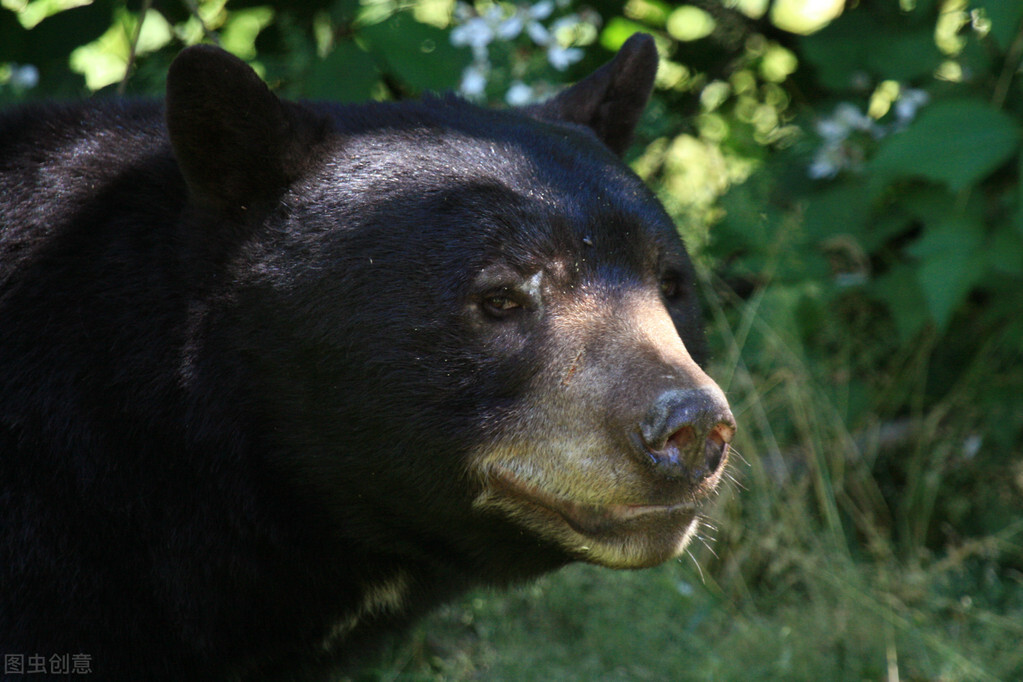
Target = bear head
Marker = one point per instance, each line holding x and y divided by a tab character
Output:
472	337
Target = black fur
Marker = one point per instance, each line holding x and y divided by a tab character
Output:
244	372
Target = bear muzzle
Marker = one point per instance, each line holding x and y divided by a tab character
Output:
619	440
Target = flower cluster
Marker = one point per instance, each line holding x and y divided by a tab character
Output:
845	132
479	31
20	76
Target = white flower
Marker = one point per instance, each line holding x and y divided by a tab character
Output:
476	33
480	30
822	169
909	103
493	15
24	77
537	33
463	12
510	28
541	10
832	130
829	161
563	57
474	81
849	115
845	120
971	446
519	94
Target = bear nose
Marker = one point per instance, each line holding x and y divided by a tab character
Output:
687	431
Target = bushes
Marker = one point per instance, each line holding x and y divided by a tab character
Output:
854	198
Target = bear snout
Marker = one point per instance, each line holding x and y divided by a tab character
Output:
686	433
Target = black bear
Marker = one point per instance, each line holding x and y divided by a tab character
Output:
278	377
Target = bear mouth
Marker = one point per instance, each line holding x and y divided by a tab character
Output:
592	520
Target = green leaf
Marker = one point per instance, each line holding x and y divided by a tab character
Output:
859	42
957	143
419	55
1017	220
900	290
343	12
952	262
1005	17
843	208
750	221
1005	251
347	74
902	55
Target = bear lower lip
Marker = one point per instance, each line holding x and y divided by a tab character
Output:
585	519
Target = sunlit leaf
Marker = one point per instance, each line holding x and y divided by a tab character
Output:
690	23
105	60
617	31
239	33
805	16
1005	17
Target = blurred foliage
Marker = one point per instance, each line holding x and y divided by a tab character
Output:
887	246
848	175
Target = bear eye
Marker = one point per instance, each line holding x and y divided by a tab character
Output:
500	305
671	287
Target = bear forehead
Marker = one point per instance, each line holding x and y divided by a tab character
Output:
438	210
546	178
436	141
492	186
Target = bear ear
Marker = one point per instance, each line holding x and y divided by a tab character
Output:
235	142
611	99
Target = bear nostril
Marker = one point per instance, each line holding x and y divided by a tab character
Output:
717	445
682	438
